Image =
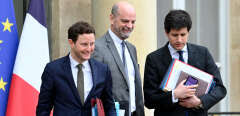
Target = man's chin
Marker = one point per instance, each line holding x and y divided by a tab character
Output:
179	48
86	57
124	36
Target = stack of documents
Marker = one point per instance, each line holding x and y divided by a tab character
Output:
179	71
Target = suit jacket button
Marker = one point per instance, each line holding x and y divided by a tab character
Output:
127	90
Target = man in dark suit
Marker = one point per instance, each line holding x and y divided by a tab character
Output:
182	100
121	56
69	83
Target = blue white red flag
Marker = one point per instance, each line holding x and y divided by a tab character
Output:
32	56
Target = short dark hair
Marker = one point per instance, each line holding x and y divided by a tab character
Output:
177	19
79	28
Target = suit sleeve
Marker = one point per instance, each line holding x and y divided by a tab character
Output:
218	91
107	96
154	97
46	96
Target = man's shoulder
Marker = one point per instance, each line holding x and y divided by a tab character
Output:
58	61
55	65
196	48
130	44
103	38
159	52
100	44
97	63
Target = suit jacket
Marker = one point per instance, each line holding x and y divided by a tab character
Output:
106	52
58	90
156	66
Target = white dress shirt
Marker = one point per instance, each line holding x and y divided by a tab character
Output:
131	71
175	55
88	84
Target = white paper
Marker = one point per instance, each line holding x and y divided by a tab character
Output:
121	112
180	66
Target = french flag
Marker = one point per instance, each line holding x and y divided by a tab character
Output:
32	56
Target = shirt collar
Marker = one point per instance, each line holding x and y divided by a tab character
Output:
172	50
74	63
115	38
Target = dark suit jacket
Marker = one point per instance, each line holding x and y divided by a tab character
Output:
156	66
106	52
59	92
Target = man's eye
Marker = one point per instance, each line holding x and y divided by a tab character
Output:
175	35
91	44
125	21
183	34
83	44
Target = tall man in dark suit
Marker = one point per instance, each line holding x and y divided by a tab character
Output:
121	56
69	83
181	101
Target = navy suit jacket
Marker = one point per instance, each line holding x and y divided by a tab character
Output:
58	91
156	66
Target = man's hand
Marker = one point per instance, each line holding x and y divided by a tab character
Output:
182	91
190	102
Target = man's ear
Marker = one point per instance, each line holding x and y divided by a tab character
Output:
111	18
166	33
71	43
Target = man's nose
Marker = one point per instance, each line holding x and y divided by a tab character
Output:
179	38
129	25
89	47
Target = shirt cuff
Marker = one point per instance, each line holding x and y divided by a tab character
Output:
173	99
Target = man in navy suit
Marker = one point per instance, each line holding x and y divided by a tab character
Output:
61	88
182	100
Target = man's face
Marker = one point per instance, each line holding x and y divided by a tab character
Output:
178	38
123	23
82	49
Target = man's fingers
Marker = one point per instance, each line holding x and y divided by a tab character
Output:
192	86
183	81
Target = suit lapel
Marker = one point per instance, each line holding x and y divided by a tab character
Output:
191	56
116	56
133	56
168	58
67	69
138	86
131	52
94	71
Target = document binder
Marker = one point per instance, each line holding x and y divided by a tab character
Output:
97	107
179	71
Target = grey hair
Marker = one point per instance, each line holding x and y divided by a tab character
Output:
115	10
